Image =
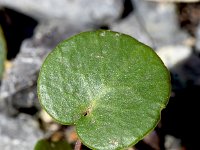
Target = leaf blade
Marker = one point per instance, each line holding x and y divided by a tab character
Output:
106	79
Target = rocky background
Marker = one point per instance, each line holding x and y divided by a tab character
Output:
33	28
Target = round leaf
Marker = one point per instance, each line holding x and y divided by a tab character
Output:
48	145
109	85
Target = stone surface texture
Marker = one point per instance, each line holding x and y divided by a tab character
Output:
160	21
131	25
75	12
19	133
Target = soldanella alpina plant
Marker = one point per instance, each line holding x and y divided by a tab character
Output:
110	86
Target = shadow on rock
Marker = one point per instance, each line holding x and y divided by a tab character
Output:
180	118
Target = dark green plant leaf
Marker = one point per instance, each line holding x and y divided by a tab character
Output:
2	52
48	145
109	85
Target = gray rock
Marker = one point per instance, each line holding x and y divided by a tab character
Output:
182	63
131	26
172	143
19	133
18	89
173	55
75	12
160	21
188	71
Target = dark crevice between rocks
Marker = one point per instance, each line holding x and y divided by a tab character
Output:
16	27
105	27
161	136
128	8
141	145
31	111
179	118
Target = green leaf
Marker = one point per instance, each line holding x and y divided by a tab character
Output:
107	84
2	52
48	145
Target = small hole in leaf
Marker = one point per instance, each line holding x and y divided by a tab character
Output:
88	111
85	113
